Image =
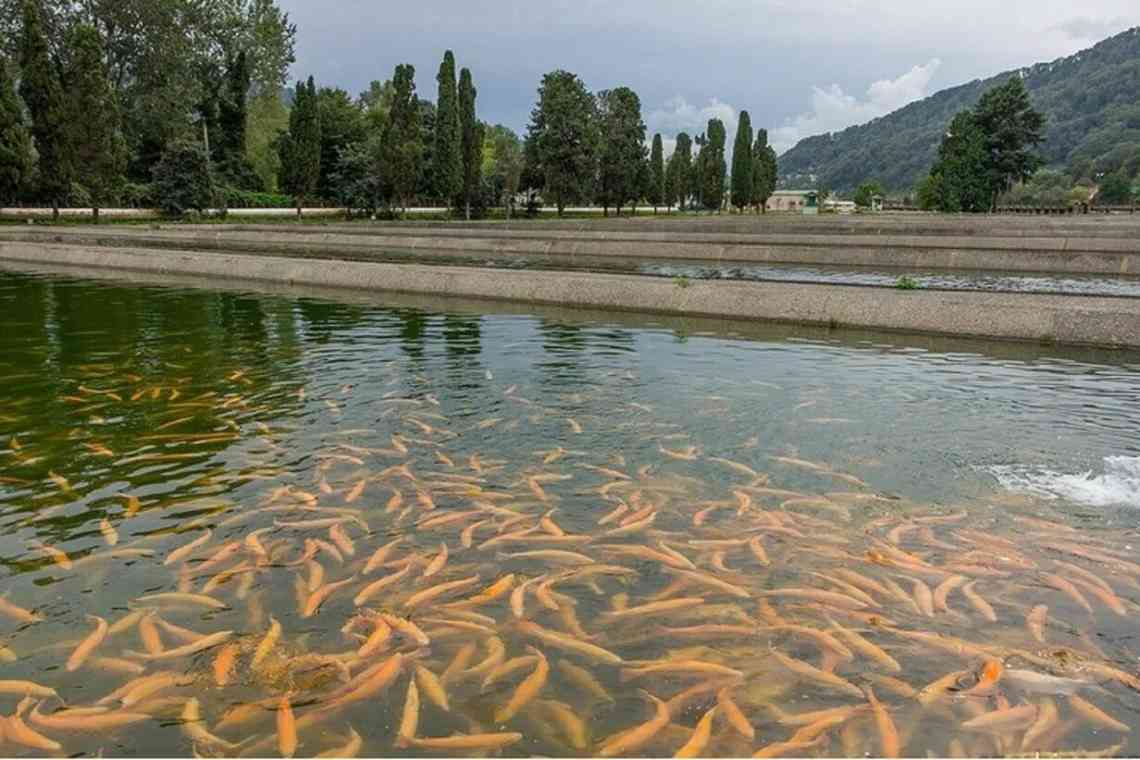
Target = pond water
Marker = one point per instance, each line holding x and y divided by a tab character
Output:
260	524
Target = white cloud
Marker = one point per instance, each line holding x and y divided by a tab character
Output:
833	109
679	115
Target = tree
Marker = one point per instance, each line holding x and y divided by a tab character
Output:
677	174
342	124
472	140
228	144
505	167
697	171
1115	190
1010	125
621	146
95	144
354	180
963	170
401	147
301	147
866	192
713	168
17	160
764	171
182	179
447	154
42	91
742	164
655	193
561	138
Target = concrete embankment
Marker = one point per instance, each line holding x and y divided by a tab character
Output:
1116	255
1098	321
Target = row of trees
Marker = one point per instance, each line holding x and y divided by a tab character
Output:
93	94
189	111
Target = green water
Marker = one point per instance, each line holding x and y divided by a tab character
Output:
133	419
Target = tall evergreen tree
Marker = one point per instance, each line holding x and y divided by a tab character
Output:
680	167
656	190
764	171
97	150
472	144
742	164
697	170
301	147
228	139
42	91
622	146
401	147
561	138
447	153
713	166
1010	125
17	161
962	175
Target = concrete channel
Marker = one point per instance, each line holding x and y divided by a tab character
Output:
1067	252
1062	319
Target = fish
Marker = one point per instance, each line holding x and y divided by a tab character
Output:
1036	620
88	645
183	598
889	743
567	643
377	586
411	717
201	645
437	562
635	738
17	612
432	687
1096	716
267	643
695	746
980	605
223	664
1003	720
318	597
441	589
351	747
808	672
26	689
527	690
286	728
467	742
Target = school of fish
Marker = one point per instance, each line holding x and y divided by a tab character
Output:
407	590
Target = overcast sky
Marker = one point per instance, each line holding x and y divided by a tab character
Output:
800	67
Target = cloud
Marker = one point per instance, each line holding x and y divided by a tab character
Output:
1089	29
679	115
834	110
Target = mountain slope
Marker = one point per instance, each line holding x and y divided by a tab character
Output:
1091	101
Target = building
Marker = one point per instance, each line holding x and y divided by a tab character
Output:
800	201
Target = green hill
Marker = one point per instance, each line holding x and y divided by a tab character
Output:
1091	101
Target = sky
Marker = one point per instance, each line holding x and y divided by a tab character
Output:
799	67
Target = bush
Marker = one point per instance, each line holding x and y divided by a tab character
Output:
138	195
182	180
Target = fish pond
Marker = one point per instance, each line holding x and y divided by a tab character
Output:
287	523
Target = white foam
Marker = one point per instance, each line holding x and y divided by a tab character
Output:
1119	484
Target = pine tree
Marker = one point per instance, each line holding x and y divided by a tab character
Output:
764	171
17	161
680	166
42	91
447	155
742	164
656	191
714	168
401	147
94	135
301	148
472	142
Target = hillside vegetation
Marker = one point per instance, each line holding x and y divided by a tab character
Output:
1091	102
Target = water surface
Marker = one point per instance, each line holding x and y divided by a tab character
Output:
692	504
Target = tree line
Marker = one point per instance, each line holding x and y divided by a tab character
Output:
189	111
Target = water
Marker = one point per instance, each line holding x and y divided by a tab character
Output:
134	419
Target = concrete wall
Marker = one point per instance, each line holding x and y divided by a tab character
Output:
1109	322
1112	256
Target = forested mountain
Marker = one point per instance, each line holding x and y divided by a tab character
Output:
1091	101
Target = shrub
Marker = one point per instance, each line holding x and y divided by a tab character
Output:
182	180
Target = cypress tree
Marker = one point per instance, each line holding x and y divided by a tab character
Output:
742	164
713	167
301	148
656	193
764	171
401	146
680	166
94	136
233	109
42	91
16	159
448	149
472	133
622	146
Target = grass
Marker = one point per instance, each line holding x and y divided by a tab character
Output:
682	282
906	283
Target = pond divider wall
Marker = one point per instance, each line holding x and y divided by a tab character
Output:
1064	319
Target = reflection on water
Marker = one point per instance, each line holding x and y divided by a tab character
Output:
247	525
